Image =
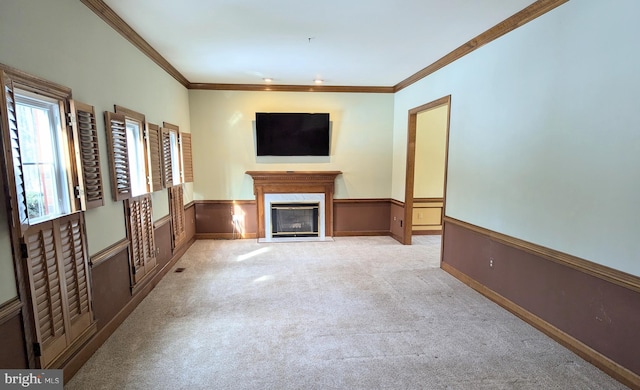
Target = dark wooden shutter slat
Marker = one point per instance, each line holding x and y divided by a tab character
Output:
89	151
166	158
155	156
187	157
118	155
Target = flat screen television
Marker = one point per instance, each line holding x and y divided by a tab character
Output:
292	134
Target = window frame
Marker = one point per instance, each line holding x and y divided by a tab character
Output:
59	145
11	80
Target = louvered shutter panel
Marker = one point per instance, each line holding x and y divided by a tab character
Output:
187	159
135	237
88	153
46	290
73	250
13	157
166	158
118	155
143	251
155	156
177	215
149	240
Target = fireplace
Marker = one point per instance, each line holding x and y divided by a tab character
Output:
295	219
297	189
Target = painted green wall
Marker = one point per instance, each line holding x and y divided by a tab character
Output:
544	143
223	128
64	42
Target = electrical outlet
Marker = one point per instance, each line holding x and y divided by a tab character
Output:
490	262
395	218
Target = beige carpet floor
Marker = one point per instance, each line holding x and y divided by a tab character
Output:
356	313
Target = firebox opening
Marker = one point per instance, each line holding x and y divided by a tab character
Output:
295	219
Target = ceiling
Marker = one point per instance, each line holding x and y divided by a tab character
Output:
294	42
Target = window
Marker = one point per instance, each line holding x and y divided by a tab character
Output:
44	156
51	163
137	163
48	158
171	159
133	153
176	155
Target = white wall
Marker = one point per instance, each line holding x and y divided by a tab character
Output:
64	42
223	136
544	139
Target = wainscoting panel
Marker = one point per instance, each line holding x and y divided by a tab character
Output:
596	317
162	236
12	352
427	216
111	285
396	220
361	217
190	220
214	219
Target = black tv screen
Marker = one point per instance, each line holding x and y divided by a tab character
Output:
292	134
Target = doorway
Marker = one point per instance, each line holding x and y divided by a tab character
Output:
431	208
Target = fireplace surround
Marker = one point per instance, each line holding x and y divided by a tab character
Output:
294	187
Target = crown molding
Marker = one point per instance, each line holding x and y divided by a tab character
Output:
524	16
290	88
117	23
528	14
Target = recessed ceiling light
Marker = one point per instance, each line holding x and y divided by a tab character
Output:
318	81
267	79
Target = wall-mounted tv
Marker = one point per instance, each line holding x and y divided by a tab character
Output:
292	134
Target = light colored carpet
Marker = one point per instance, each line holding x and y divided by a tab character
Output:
357	313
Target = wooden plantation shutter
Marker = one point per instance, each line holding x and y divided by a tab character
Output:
176	206
46	291
166	158
59	280
88	154
73	249
12	156
143	249
118	155
154	144
187	159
